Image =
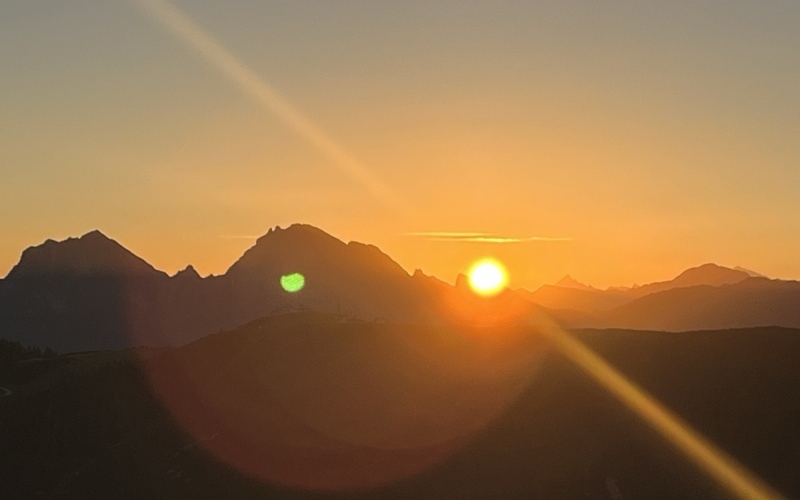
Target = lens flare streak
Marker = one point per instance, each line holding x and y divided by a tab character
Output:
715	462
180	26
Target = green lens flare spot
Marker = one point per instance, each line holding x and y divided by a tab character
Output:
293	283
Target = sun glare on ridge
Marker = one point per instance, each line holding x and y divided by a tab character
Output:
487	277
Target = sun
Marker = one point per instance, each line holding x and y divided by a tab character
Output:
487	277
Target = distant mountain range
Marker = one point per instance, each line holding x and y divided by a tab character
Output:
91	293
571	294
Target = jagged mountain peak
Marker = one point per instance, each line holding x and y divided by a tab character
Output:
188	272
94	234
298	233
462	281
570	282
303	247
94	253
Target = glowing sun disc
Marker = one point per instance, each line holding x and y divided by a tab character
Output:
487	277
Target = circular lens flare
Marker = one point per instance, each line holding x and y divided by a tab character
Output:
293	283
487	277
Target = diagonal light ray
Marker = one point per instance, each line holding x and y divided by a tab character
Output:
732	475
723	468
183	28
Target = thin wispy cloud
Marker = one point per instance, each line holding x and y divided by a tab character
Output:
445	234
467	237
238	236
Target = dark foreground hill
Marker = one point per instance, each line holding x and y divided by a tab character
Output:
408	412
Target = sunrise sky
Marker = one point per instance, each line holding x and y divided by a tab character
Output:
619	142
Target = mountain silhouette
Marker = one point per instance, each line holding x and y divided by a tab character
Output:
349	278
707	274
748	303
570	282
572	295
92	254
579	299
752	273
188	272
83	293
91	293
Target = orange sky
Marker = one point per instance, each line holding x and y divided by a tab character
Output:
650	137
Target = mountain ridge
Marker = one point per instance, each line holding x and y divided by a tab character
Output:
91	253
92	293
